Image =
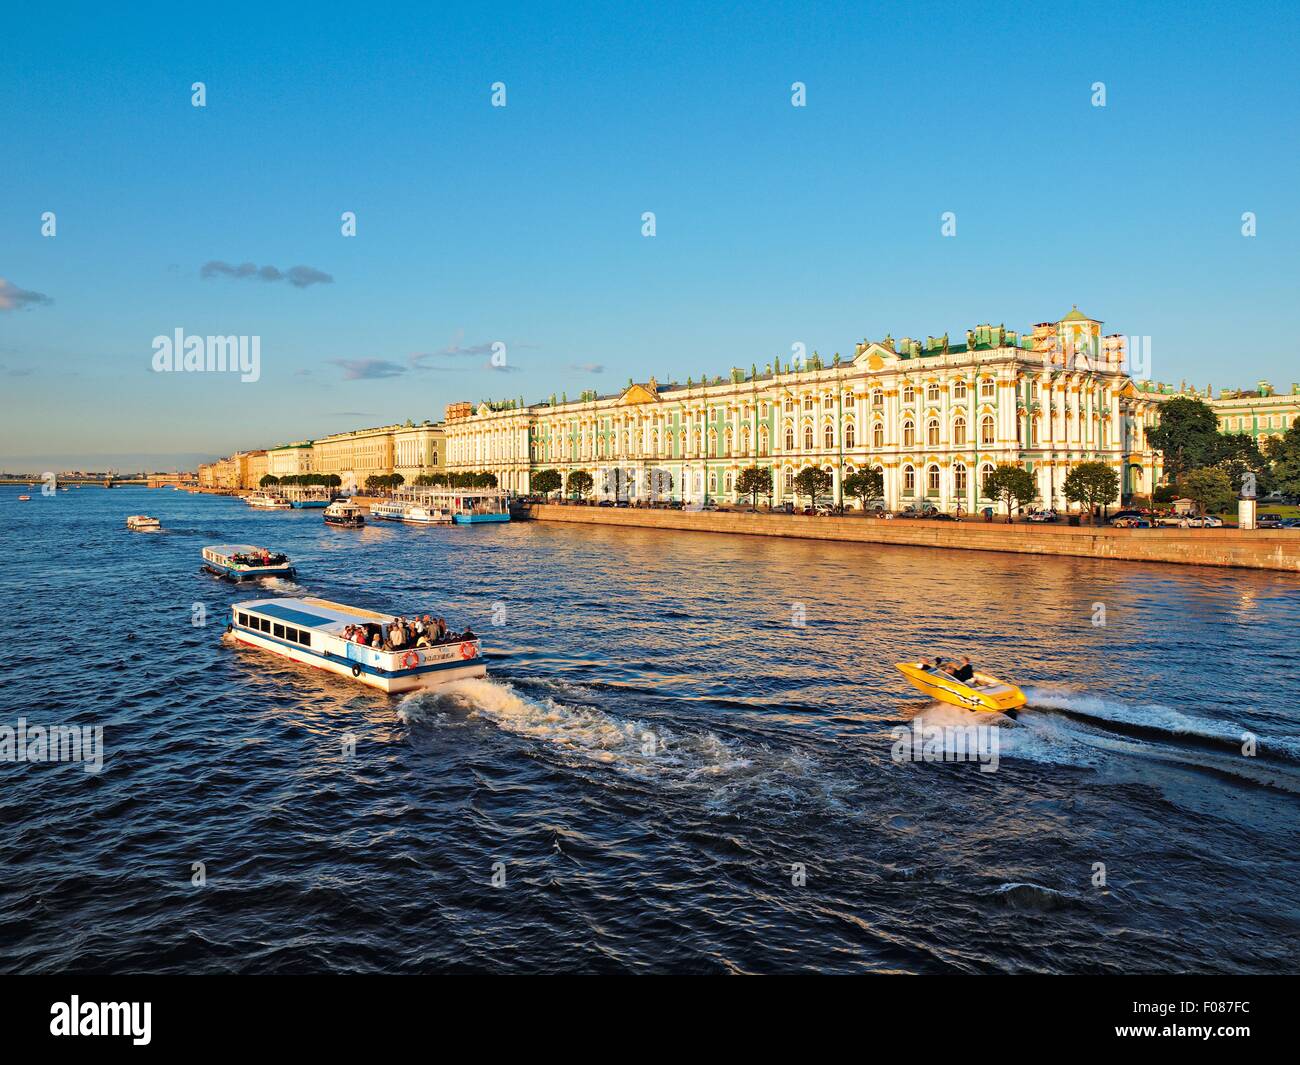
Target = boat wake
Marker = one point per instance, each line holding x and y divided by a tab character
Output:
586	736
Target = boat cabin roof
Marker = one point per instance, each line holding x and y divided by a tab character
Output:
320	615
234	549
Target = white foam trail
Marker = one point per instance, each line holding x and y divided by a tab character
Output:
279	584
582	732
1147	715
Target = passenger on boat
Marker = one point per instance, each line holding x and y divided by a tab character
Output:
965	672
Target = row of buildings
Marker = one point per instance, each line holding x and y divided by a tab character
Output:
932	416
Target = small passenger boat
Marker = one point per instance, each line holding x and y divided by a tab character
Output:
311	631
984	692
266	501
143	523
345	513
239	562
411	512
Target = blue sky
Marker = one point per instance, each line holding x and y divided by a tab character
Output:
775	224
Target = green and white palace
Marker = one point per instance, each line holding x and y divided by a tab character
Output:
932	416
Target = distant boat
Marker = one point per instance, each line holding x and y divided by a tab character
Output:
345	513
266	501
24	499
238	562
143	523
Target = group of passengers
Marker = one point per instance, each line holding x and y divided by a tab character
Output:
962	671
403	635
259	556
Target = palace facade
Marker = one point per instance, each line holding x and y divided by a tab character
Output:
933	417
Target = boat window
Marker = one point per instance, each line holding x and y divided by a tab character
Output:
304	637
278	630
243	619
291	634
264	624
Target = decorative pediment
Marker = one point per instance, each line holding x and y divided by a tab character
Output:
874	356
635	394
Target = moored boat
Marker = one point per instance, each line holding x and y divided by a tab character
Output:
267	501
143	523
478	506
344	513
983	693
311	631
411	512
239	562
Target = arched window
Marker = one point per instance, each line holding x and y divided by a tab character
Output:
987	387
932	432
909	433
909	480
932	393
877	398
789	481
959	432
654	441
828	438
848	435
932	479
959	479
762	441
959	390
986	429
909	393
807	438
878	435
789	438
985	470
807	402
1033	432
726	442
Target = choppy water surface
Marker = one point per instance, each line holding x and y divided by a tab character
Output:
656	750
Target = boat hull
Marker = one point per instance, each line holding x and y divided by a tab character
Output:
997	697
232	573
479	519
433	675
346	523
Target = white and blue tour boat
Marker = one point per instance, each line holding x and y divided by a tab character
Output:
311	631
476	505
241	562
345	513
268	501
413	511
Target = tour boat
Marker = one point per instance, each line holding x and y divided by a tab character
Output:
311	631
483	505
345	513
239	562
984	692
143	523
301	498
410	511
266	501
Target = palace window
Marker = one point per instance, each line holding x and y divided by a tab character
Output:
1033	432
959	479
909	480
807	438
848	399
959	432
932	393
763	410
789	438
727	485
828	402
878	435
909	393
932	479
986	429
849	435
877	397
932	432
828	438
985	470
909	433
789	405
789	481
762	441
987	387
807	403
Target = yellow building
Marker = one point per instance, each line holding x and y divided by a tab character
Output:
933	417
291	460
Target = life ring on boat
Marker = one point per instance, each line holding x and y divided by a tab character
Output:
410	660
356	671
468	650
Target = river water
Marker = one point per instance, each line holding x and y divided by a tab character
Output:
683	758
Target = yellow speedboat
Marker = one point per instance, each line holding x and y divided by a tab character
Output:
982	693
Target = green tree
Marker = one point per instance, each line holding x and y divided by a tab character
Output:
546	481
1094	484
1211	490
753	482
268	480
812	482
865	485
580	483
1240	458
1011	486
1187	436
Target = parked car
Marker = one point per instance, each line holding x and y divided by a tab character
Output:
1130	522
1043	515
1290	523
1211	522
605	503
924	510
941	515
1269	521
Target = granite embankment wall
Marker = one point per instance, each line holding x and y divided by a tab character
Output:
1259	549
